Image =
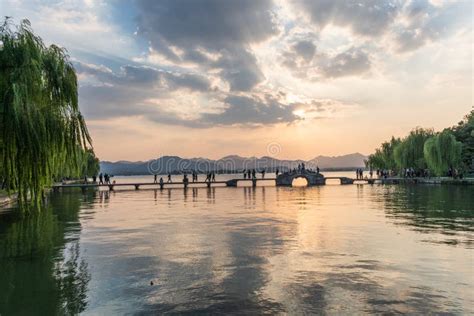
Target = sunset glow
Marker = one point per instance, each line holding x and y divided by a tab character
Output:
318	77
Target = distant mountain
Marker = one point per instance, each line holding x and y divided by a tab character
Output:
228	164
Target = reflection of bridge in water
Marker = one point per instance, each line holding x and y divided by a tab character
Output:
284	179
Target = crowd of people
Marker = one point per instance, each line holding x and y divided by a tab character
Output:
415	173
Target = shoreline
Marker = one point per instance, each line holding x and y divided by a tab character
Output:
9	199
440	180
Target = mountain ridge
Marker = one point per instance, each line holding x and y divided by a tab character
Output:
229	163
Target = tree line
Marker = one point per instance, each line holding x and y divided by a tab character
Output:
43	135
427	150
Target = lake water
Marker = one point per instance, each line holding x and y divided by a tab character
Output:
326	250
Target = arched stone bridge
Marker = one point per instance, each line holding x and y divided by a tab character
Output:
313	178
284	179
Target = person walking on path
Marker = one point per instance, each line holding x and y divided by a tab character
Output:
101	178
155	178
169	178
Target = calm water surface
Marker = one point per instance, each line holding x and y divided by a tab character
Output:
266	250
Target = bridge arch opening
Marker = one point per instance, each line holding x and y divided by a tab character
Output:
300	182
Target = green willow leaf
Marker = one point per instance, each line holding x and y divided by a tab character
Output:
43	134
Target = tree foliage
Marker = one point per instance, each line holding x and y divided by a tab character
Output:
90	164
383	157
422	148
464	133
42	130
442	152
409	152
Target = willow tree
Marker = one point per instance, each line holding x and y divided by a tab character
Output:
464	133
383	158
41	127
409	153
441	152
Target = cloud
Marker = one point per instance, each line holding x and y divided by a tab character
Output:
141	77
368	17
353	61
210	24
304	63
425	22
245	110
239	69
190	31
158	96
298	57
305	49
409	24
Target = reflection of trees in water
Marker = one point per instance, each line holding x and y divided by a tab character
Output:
444	209
42	270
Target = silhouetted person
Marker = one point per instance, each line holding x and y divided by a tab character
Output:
94	178
253	174
317	169
213	177
101	178
161	181
302	166
277	172
245	174
263	174
155	178
169	178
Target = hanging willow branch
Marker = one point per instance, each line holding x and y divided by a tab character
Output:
442	151
42	129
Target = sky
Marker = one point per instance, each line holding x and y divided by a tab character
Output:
287	79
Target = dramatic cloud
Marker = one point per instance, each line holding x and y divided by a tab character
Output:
144	77
151	93
252	111
307	64
214	34
368	17
348	63
274	65
425	22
